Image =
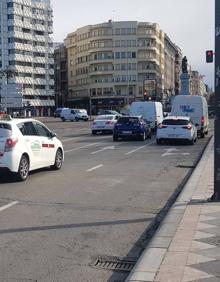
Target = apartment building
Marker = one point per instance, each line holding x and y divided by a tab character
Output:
60	75
26	53
114	63
197	85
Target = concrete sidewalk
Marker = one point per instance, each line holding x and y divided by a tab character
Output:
186	246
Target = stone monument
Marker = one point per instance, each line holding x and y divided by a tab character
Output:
185	78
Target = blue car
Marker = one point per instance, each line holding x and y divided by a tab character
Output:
133	127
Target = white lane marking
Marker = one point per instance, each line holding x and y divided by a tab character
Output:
128	153
80	137
103	149
173	151
93	168
78	148
8	205
69	139
168	151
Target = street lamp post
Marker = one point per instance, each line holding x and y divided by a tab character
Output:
216	195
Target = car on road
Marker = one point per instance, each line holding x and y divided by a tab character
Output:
27	144
177	128
73	115
107	112
104	123
132	127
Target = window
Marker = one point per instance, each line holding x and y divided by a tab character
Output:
41	130
27	128
117	55
123	55
5	130
133	55
117	31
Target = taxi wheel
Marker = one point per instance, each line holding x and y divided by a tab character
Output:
58	160
23	169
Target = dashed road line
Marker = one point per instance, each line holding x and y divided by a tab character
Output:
85	146
95	167
8	205
135	150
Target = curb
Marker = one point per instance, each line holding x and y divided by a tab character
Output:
146	263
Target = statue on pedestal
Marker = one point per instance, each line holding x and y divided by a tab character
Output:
184	65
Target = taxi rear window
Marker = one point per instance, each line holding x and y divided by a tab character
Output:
175	122
5	130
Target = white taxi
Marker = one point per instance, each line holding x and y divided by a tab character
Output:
27	144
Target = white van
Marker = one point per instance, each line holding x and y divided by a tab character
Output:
73	114
194	106
150	111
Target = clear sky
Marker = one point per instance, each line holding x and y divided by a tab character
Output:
188	23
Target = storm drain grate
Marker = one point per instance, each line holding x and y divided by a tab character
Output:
113	263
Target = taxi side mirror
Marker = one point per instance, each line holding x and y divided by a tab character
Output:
53	134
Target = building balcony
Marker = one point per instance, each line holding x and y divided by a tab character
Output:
27	47
51	82
39	60
39	49
21	69
50	29
50	61
25	80
51	71
39	38
39	71
97	73
39	27
40	81
28	91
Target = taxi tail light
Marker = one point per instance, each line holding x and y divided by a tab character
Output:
189	127
10	144
162	126
202	120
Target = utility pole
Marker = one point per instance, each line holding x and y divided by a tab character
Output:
216	195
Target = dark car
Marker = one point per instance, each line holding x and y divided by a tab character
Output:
131	126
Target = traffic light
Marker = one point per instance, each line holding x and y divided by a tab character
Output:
145	94
209	56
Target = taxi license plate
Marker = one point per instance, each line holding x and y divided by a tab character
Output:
127	132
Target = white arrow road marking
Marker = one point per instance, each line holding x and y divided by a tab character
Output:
93	168
173	151
103	149
8	205
168	151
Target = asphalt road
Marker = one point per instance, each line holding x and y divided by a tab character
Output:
100	204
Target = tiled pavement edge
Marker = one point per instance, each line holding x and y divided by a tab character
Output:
186	247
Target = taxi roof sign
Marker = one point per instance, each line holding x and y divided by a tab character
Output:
4	116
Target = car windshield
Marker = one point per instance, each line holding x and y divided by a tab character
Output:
104	118
132	120
175	122
5	130
77	111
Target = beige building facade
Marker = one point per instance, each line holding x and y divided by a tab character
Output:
197	84
114	63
